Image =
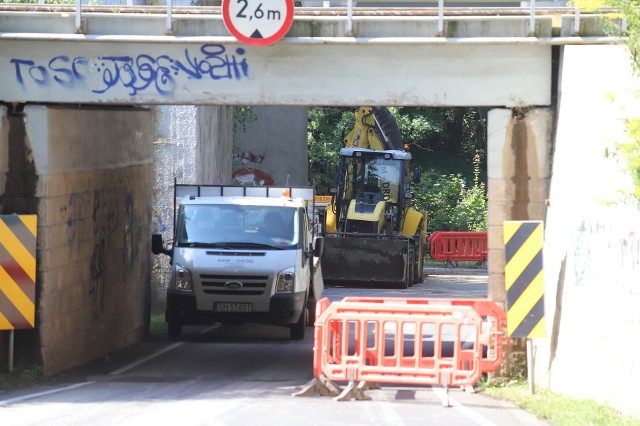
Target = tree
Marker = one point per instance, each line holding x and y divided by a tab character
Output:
441	140
448	144
451	204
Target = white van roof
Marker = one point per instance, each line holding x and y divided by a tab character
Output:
246	201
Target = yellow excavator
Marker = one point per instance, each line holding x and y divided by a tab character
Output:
373	237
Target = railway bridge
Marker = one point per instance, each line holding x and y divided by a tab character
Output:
76	129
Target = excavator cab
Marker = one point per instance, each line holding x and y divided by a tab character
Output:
372	191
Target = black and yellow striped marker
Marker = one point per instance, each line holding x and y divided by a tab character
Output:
524	279
17	271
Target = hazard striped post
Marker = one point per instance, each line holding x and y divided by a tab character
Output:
524	279
524	282
17	274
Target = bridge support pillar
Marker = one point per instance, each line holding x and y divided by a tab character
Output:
87	173
519	171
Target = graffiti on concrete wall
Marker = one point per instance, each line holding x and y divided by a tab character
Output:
97	284
606	250
249	176
245	157
135	74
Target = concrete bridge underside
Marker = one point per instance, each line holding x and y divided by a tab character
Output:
87	170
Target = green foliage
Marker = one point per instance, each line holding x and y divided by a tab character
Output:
157	324
325	130
628	150
24	373
558	409
448	144
242	117
443	140
450	203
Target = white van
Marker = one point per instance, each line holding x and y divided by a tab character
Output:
242	254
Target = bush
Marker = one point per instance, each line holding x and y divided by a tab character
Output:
450	203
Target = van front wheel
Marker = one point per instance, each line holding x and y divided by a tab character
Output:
174	330
297	330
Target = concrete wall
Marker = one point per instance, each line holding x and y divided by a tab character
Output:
592	237
518	172
191	144
87	174
272	146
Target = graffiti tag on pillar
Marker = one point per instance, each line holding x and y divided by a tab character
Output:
140	73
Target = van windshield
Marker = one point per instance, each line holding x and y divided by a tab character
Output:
233	226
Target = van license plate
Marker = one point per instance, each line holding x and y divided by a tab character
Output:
231	307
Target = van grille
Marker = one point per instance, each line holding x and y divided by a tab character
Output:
252	285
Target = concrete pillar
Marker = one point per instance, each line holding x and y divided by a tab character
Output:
519	159
87	174
214	144
271	147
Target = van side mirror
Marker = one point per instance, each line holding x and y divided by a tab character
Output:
318	246
157	245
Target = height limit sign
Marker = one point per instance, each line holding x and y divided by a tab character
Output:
258	22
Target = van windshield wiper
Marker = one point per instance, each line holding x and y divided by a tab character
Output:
243	244
231	245
195	244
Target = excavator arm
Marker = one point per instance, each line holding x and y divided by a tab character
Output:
374	128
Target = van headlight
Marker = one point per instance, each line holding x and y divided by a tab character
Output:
183	280
286	280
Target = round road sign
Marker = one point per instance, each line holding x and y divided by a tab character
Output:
258	22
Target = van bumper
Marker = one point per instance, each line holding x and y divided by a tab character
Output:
284	309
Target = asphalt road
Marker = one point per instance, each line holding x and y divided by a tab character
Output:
243	375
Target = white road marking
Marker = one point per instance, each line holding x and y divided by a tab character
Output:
145	359
113	373
156	354
465	411
45	393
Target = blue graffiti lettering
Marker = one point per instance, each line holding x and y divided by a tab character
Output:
136	74
62	75
37	73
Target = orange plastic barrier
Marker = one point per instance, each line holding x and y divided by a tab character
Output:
458	246
448	342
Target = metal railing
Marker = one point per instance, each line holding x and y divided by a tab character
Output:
349	11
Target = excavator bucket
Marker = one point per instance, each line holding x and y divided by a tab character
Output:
365	262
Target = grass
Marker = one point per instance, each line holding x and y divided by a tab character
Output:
23	373
558	409
157	325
